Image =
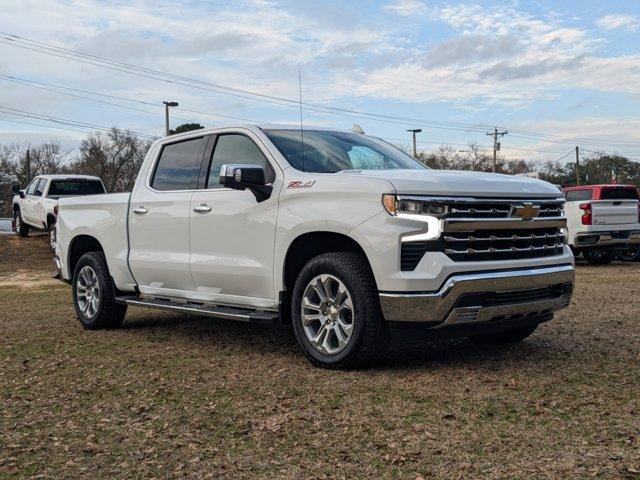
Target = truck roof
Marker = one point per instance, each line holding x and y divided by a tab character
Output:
598	185
62	176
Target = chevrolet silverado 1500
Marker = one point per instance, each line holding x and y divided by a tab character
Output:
340	234
35	207
602	219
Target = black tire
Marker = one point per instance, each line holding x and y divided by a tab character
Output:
630	253
108	314
369	339
52	236
599	256
505	338
22	229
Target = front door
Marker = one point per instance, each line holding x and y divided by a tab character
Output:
232	235
32	202
159	217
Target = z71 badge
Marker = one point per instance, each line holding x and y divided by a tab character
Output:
301	184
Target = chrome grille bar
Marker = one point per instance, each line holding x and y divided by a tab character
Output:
495	238
472	251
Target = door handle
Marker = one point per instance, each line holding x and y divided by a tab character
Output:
140	210
204	208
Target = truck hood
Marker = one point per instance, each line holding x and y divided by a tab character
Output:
461	183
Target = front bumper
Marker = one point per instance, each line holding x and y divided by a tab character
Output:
604	239
482	297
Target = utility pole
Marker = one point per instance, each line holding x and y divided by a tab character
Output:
496	145
577	165
166	116
415	148
28	167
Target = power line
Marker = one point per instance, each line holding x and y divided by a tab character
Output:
50	49
65	121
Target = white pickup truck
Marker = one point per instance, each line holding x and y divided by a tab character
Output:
35	207
338	233
602	221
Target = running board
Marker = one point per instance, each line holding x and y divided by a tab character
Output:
229	313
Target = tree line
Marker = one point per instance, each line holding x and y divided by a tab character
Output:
116	156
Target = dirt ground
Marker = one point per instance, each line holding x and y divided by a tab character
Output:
179	396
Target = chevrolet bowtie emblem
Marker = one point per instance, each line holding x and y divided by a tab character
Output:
527	210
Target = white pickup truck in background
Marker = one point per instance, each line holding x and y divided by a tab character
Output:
35	206
339	234
602	220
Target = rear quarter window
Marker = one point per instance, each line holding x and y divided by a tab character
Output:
619	193
578	195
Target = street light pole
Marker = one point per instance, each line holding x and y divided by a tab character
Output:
166	115
415	148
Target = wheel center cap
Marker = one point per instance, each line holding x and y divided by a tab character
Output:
332	313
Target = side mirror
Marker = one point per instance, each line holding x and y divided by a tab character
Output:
246	176
21	193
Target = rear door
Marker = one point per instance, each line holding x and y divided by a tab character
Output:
617	205
159	217
232	235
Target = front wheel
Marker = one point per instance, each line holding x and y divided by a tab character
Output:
599	256
507	337
629	253
22	229
336	312
93	294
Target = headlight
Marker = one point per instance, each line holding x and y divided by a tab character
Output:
396	206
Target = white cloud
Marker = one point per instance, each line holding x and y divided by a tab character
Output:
623	21
407	8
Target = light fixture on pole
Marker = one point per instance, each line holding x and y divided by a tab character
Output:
415	148
166	115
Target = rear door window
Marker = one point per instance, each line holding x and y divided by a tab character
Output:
179	164
578	195
618	193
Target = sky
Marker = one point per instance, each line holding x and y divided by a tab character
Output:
555	74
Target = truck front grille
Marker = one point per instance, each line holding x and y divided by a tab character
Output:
481	230
498	210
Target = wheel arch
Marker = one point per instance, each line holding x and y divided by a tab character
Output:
80	245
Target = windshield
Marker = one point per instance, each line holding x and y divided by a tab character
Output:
329	152
67	188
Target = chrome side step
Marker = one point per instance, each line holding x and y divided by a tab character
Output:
229	313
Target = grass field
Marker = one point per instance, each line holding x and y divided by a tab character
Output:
186	397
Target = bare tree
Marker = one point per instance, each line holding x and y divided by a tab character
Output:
115	157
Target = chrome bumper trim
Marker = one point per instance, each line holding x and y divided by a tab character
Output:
438	308
607	238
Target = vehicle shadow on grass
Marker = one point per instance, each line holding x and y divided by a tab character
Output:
202	332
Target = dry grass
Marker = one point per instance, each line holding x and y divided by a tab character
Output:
181	396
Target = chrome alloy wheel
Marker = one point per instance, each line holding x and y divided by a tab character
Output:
327	314
18	223
52	238
88	292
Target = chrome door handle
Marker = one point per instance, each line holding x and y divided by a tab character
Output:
140	210
204	208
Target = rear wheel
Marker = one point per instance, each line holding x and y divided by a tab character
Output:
22	229
505	338
629	253
93	294
336	312
52	237
599	256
